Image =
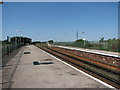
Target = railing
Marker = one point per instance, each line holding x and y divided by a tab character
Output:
7	48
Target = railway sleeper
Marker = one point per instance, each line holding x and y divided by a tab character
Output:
98	71
114	79
61	49
89	62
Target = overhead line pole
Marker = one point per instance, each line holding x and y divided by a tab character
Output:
77	35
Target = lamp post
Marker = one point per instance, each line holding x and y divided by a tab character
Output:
77	35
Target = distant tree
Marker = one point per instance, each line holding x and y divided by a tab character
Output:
21	39
113	38
78	43
80	40
43	42
50	41
101	39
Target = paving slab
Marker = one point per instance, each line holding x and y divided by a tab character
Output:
9	66
55	75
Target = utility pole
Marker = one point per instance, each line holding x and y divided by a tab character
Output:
77	35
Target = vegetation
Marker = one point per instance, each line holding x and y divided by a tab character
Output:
107	45
23	40
50	41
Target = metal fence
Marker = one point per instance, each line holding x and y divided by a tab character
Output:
7	48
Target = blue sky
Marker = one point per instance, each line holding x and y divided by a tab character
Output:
60	21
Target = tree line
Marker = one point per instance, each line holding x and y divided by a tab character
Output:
107	45
12	43
18	39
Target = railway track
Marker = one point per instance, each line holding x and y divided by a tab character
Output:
105	72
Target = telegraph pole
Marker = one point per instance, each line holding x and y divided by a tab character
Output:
77	35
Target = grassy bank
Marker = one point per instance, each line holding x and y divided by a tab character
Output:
106	45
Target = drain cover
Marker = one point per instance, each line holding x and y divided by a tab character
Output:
36	63
26	52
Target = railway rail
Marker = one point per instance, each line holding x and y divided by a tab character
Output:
103	71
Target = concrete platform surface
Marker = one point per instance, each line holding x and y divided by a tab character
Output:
9	65
56	75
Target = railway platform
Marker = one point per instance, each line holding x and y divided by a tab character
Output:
38	69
